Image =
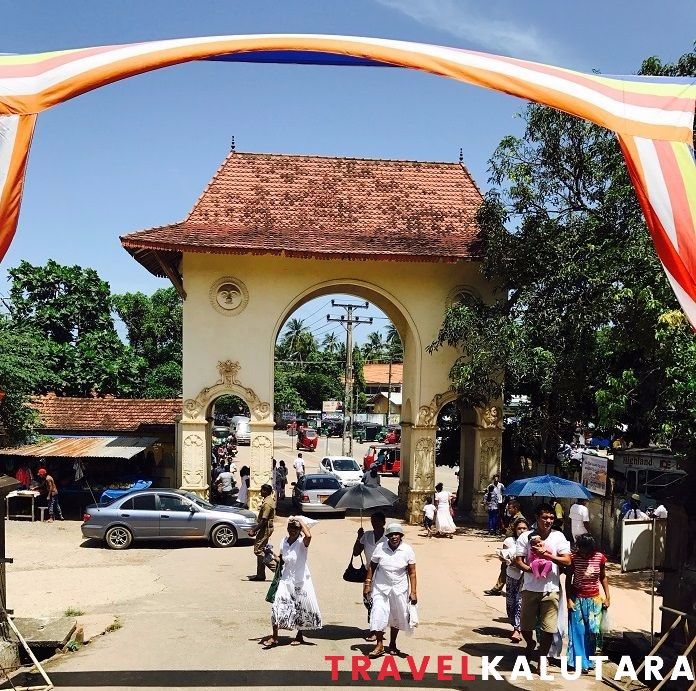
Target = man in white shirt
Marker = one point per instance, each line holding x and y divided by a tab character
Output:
579	516
299	466
540	595
498	490
660	512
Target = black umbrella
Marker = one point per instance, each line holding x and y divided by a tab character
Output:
361	497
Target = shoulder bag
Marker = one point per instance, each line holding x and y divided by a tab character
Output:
354	574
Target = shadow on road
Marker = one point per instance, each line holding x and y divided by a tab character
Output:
280	678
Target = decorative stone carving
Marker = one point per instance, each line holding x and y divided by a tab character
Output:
192	470
227	383
491	417
228	295
424	475
489	460
414	506
427	414
261	451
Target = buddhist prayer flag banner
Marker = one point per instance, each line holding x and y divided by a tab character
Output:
652	117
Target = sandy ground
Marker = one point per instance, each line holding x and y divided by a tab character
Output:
189	619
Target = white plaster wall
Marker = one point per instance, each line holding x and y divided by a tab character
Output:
274	285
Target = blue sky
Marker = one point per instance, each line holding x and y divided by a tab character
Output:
138	153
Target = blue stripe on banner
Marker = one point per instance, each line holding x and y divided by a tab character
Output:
300	57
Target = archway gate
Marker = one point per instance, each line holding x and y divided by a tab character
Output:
274	231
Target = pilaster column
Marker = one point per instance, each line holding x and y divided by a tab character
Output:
489	462
261	456
194	457
420	480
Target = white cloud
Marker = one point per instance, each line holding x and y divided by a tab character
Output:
474	22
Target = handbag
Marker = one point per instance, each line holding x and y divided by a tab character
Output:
354	574
273	589
412	615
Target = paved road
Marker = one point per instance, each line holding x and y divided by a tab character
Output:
189	620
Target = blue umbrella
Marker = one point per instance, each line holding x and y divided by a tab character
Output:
547	486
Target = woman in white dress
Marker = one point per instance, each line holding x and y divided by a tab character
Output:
444	525
391	583
243	495
295	605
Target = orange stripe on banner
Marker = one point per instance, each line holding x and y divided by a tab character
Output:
683	219
515	86
665	249
11	199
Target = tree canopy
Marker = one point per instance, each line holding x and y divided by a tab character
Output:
585	323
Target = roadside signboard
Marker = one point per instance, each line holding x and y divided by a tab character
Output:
289	416
594	473
330	406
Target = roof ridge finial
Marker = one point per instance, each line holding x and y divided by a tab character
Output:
461	155
233	146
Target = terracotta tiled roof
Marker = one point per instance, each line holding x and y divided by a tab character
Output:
379	374
63	413
314	206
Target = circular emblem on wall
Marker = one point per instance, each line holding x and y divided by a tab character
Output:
229	295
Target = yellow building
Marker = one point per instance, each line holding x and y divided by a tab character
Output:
271	232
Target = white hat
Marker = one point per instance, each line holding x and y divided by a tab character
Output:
394	528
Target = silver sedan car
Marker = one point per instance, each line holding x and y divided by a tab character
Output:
311	492
164	514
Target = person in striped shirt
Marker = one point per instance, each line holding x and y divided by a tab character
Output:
586	606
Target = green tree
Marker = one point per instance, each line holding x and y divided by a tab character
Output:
395	348
154	327
22	368
584	323
374	347
70	308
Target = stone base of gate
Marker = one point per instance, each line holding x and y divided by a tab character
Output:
415	501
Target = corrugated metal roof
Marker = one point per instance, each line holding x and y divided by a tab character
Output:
84	447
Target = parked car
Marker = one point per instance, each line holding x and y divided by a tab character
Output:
307	439
345	469
387	458
311	491
221	432
165	514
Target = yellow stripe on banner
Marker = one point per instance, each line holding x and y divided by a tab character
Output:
650	88
684	156
33	58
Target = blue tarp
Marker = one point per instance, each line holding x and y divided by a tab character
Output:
111	494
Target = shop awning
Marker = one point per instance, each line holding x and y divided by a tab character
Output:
84	447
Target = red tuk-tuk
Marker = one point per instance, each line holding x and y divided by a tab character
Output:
386	457
307	439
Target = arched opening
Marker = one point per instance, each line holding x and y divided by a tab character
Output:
353	404
227	440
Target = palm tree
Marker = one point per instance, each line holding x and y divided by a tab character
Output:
395	348
297	341
374	348
330	343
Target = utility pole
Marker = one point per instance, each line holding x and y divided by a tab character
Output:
348	320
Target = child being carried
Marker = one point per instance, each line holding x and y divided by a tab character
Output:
540	567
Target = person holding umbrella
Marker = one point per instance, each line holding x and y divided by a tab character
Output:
367	542
392	585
